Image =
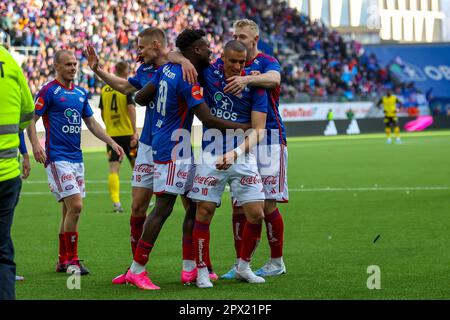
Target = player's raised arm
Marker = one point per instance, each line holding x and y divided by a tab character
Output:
189	72
204	115
100	133
120	84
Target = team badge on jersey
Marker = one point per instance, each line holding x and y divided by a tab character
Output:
73	116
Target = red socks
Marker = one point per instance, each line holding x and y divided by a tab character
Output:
250	240
275	233
200	237
137	225
188	248
71	241
62	248
142	253
239	221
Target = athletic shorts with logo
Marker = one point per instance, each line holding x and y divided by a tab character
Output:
173	177
144	167
272	166
243	178
125	143
66	179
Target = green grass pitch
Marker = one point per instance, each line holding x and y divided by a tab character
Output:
344	192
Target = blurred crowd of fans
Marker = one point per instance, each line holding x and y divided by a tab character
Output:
317	64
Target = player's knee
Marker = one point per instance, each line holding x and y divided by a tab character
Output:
75	208
138	209
255	215
204	212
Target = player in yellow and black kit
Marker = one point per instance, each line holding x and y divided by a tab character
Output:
119	116
390	102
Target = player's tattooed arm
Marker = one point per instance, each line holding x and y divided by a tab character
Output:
204	115
100	133
253	136
145	95
38	151
190	74
268	80
120	84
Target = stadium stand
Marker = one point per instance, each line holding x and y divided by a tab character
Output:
317	64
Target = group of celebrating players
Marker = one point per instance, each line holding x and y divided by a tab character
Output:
235	97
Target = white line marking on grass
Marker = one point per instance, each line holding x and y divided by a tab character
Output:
407	189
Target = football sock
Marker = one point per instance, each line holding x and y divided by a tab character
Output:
137	268
250	240
397	132
275	233
142	253
189	265
239	221
71	240
200	237
388	132
188	248
114	187
62	248
188	253
136	226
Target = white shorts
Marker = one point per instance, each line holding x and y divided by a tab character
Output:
173	177
272	165
243	178
143	167
66	179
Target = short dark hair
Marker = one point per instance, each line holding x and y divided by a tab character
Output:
121	67
59	53
154	32
234	45
188	38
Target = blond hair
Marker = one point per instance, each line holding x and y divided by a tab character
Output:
246	23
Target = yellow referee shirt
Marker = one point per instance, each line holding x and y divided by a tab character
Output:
16	112
114	106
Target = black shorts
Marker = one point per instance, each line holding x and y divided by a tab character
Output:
125	143
388	121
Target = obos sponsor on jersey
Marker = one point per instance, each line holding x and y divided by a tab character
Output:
197	92
224	107
74	119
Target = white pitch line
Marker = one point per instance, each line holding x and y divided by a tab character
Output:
38	193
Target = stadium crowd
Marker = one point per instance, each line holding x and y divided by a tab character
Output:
317	64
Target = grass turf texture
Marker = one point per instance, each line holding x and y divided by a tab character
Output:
345	191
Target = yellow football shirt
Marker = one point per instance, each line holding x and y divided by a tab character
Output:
390	106
114	107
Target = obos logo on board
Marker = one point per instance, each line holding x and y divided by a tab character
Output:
224	107
74	119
